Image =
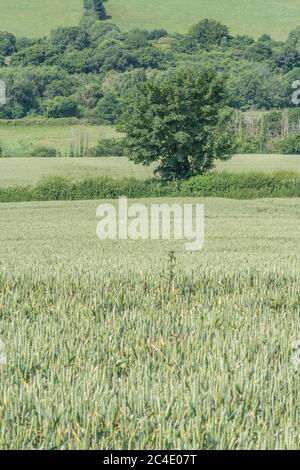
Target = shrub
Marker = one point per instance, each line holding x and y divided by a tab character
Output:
61	106
44	151
107	148
107	109
237	186
7	43
157	34
252	144
243	186
288	146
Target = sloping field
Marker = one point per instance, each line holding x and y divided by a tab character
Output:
35	18
276	17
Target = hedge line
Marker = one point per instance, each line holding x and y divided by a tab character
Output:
42	121
237	186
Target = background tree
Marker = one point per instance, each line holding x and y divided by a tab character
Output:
258	52
209	32
289	58
7	43
98	6
181	121
72	37
294	38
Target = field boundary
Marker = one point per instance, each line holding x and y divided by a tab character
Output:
229	185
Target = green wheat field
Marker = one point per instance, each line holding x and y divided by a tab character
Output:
114	345
143	345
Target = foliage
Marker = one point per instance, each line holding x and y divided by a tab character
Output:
259	72
289	145
246	186
209	33
7	43
46	152
72	37
289	58
107	148
179	120
61	107
228	185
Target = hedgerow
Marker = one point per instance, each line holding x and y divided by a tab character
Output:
231	185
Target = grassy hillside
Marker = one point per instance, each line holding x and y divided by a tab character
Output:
37	17
34	18
243	17
19	171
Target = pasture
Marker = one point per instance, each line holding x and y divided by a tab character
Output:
111	345
243	17
20	140
33	18
36	18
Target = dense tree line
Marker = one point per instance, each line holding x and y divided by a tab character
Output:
87	70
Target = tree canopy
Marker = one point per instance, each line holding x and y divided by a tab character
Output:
179	120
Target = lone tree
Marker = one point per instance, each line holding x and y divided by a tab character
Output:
97	6
180	120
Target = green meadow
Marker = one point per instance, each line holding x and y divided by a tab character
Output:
20	140
34	18
255	17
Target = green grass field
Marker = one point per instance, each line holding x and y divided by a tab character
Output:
21	171
257	17
109	347
37	17
21	140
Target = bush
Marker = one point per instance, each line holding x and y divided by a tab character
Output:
38	121
288	146
107	148
157	34
252	144
7	43
107	110
61	107
44	151
243	186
